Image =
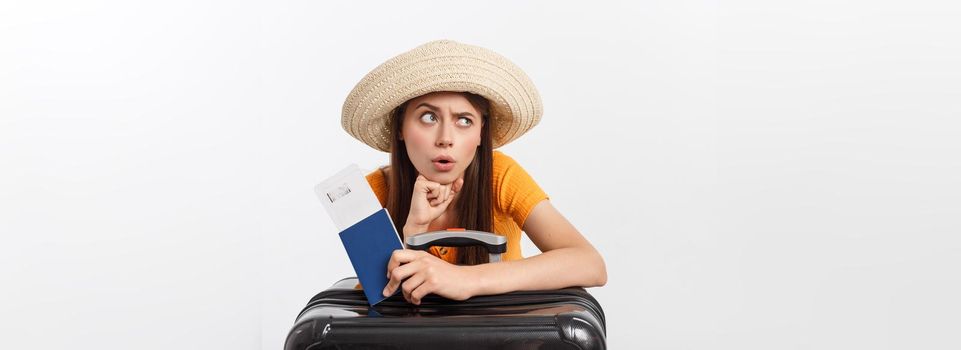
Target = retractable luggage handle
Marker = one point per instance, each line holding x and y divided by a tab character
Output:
495	244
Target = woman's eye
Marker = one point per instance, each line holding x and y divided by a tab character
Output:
428	117
465	121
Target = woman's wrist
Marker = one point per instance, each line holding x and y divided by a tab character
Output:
412	229
476	285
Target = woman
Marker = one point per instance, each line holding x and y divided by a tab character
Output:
440	110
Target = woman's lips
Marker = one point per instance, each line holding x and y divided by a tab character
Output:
442	166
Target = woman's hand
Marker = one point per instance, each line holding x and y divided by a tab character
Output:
430	200
419	273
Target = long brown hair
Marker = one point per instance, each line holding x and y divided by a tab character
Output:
474	209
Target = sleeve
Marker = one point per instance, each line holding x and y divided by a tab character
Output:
378	183
517	192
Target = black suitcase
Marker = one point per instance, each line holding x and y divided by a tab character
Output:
341	318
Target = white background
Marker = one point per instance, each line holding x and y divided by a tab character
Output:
756	174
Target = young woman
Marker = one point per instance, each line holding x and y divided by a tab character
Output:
440	110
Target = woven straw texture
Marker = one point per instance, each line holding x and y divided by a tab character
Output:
442	65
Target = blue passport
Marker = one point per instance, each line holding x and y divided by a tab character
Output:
369	244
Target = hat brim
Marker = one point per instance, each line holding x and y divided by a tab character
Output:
442	66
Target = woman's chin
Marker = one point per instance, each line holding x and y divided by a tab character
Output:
442	178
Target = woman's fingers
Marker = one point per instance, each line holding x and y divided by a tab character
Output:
398	275
418	293
395	273
457	185
434	192
401	256
410	284
426	274
435	198
438	194
431	188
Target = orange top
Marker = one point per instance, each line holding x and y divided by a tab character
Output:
515	195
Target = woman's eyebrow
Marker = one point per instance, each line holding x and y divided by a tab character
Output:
433	107
428	105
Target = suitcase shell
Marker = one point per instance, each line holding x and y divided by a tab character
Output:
340	318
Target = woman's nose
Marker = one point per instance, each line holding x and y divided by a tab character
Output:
445	136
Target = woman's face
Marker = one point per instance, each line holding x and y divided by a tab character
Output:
441	131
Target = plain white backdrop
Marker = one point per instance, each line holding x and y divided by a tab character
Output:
756	174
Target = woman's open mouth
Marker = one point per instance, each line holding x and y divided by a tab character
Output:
443	163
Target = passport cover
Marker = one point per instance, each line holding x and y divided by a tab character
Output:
369	244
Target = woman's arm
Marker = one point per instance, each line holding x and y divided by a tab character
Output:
568	259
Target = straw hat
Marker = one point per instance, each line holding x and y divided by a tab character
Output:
442	65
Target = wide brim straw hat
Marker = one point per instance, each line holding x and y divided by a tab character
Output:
442	65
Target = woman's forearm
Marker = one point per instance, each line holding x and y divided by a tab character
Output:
555	269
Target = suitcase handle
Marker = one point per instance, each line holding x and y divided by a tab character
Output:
495	244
